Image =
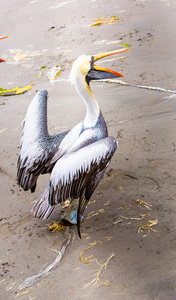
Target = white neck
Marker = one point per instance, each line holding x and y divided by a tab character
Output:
92	107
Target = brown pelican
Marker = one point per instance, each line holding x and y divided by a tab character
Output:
77	158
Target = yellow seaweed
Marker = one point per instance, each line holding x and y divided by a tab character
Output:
91	202
104	265
147	226
16	90
57	226
101	21
5	129
145	204
19	55
108	238
85	260
92	214
95	243
107	203
39	75
24	293
97	280
133	219
126	45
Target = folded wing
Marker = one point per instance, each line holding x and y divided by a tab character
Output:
76	175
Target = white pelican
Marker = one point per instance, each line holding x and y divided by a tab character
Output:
77	158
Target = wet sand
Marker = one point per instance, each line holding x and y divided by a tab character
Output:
143	167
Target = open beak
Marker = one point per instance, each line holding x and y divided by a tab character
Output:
97	72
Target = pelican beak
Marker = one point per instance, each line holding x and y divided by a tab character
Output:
3	37
97	72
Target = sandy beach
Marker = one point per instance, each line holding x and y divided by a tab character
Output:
129	230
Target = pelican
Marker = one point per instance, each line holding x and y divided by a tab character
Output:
77	158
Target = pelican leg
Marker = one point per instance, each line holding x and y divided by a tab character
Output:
71	216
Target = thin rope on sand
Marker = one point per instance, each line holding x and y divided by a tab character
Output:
120	82
138	86
45	271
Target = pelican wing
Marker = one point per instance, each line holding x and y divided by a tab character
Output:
77	174
37	146
35	159
31	163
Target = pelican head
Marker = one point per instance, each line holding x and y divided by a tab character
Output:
84	68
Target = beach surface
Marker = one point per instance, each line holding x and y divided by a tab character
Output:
128	245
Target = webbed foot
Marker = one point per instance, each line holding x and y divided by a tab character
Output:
72	217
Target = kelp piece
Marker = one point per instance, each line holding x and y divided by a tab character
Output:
16	90
104	265
143	203
126	45
97	280
147	226
101	21
92	214
20	55
57	226
85	260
